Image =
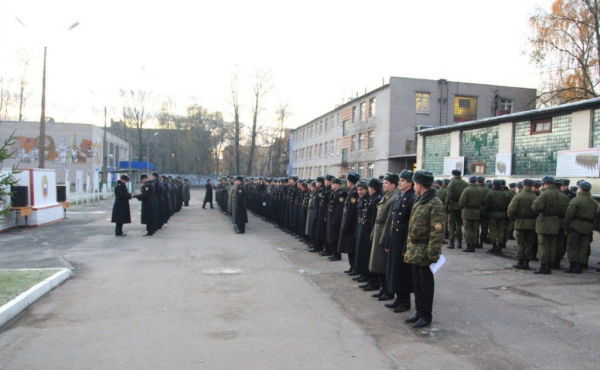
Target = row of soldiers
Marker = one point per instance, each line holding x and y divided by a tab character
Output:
547	216
161	197
231	198
368	220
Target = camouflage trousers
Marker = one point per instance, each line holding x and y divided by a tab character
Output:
485	223
578	246
471	231
561	244
547	246
497	233
455	225
525	240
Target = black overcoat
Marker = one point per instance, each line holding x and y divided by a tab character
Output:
399	273
208	196
241	211
347	243
121	213
367	213
148	211
324	194
335	211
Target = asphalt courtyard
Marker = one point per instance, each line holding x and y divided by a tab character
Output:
196	295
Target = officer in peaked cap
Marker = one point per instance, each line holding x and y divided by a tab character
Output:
148	212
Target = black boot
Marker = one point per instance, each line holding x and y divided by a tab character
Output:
526	266
394	304
480	245
403	303
556	265
451	246
495	248
574	268
459	246
521	264
470	248
543	270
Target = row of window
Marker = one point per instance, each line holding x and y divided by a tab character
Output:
361	142
364	110
366	169
465	107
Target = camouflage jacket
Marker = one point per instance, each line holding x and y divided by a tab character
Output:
581	214
549	206
426	230
520	211
455	188
471	202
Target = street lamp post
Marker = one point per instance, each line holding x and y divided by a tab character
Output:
42	138
148	157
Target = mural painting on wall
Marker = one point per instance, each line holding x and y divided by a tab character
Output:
72	149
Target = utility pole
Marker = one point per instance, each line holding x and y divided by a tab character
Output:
42	138
104	154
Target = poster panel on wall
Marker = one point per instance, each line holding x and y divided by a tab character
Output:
454	163
578	163
504	164
44	187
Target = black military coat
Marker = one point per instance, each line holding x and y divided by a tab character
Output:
367	213
241	210
399	273
347	242
148	210
324	194
121	213
335	212
208	196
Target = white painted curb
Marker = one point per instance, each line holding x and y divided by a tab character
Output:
23	300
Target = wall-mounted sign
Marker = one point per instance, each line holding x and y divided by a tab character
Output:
504	164
454	163
578	163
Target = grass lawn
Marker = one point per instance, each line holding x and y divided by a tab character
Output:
15	282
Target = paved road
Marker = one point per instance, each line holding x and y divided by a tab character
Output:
196	296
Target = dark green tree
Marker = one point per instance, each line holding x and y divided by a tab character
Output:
7	178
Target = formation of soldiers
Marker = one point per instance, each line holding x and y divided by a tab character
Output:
161	197
391	228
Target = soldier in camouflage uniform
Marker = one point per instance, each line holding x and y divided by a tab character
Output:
580	219
523	216
442	194
483	218
471	202
455	189
496	204
548	205
561	240
425	237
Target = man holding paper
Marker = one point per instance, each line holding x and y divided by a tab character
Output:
425	238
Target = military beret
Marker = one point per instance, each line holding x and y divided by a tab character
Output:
336	181
143	176
456	173
548	180
353	177
125	177
423	177
446	181
512	185
481	179
520	185
329	177
392	177
239	178
472	179
585	186
527	182
406	175
321	179
566	182
362	184
375	183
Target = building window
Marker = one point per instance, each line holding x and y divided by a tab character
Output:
344	155
332	147
361	170
372	107
326	124
478	168
361	142
371	140
337	119
543	126
371	167
337	147
353	144
465	108
326	148
353	114
362	111
422	102
345	128
506	106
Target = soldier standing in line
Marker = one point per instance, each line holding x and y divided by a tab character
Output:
334	217
561	239
309	215
347	242
148	212
455	189
547	225
442	194
425	237
367	215
158	200
522	214
186	192
166	198
121	213
471	201
580	220
496	205
323	210
399	273
511	225
483	218
241	212
317	240
378	261
566	190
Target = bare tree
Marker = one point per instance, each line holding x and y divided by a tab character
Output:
23	82
138	110
282	115
5	97
235	105
261	87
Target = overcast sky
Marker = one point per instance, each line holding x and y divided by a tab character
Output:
319	52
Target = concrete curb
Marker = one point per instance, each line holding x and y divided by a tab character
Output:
23	300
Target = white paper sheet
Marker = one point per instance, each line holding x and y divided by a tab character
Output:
434	267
